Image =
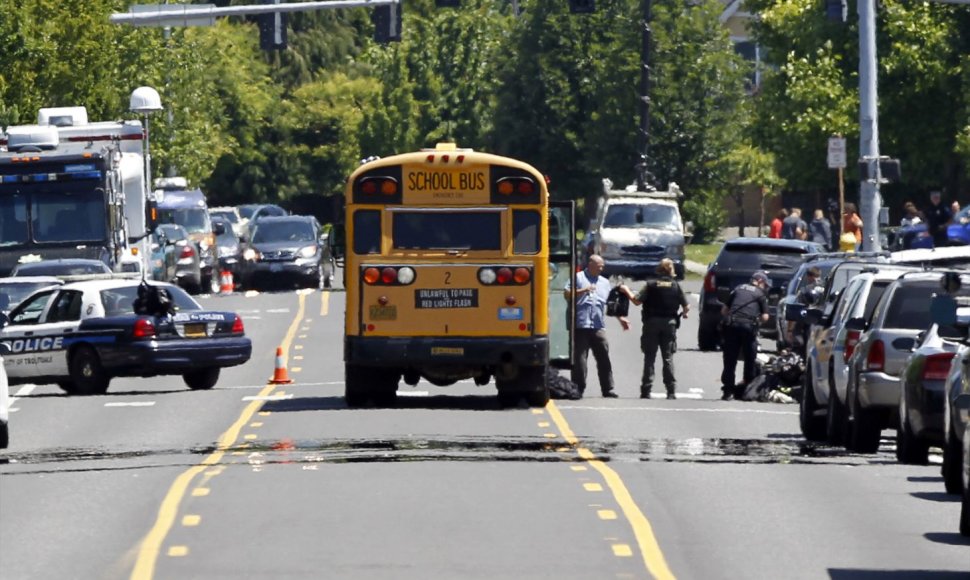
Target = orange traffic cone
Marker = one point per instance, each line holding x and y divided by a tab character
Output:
280	376
225	282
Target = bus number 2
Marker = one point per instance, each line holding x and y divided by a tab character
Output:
447	277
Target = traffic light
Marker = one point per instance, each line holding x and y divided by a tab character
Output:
582	6
387	23
447	3
272	29
836	10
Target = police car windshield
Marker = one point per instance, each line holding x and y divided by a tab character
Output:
121	301
630	215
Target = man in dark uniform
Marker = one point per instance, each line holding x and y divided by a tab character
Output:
746	308
938	215
661	300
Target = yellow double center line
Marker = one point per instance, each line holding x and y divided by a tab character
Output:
151	545
653	557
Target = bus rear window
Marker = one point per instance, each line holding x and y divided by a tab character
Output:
367	231
450	230
525	232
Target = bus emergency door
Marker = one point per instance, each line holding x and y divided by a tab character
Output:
562	265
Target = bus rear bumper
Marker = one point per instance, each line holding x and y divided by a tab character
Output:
465	351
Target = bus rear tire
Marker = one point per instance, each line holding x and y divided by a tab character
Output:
356	388
534	386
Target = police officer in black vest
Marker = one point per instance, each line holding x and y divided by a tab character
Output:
746	308
661	300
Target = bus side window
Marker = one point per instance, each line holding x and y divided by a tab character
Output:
525	232
367	231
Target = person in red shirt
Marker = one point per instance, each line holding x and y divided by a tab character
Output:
775	230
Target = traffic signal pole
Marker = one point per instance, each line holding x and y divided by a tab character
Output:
643	134
188	15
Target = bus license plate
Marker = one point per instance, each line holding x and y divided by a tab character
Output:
195	330
446	298
383	312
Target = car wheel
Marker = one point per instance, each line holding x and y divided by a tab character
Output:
909	448
385	391
835	419
813	426
965	513
356	387
864	428
4	435
532	384
707	338
508	395
952	469
68	387
87	374
201	380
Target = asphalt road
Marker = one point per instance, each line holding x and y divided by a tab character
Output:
253	481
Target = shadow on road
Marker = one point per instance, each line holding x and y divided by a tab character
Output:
949	538
452	402
938	496
846	574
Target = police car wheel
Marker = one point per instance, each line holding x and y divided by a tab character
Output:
87	373
4	435
201	380
68	387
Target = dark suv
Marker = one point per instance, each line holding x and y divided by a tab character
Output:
735	263
293	248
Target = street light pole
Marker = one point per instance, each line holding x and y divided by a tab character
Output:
870	200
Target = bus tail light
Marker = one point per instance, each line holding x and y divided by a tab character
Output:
504	276
389	275
384	185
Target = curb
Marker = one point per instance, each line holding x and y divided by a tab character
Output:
695	267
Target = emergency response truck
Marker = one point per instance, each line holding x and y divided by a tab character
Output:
70	188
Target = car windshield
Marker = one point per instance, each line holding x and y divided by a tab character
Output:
247	211
69	216
194	220
13	219
226	215
631	215
759	258
172	233
283	231
121	301
13	293
62	269
909	307
802	281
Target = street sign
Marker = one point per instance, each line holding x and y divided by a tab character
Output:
836	156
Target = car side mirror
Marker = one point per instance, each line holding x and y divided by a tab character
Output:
855	324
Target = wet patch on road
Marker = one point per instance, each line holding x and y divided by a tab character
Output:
776	449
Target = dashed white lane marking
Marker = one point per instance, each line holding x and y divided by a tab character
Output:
278	311
267	397
675	409
695	390
690	395
131	404
413	394
25	390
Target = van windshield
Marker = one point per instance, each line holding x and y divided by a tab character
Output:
195	220
636	215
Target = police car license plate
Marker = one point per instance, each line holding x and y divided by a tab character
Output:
195	330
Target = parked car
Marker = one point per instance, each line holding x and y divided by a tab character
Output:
791	299
231	250
872	391
957	257
965	504
83	334
734	265
188	266
13	290
921	396
4	398
188	208
61	267
292	248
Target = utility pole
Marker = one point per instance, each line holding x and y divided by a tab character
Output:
870	200
643	135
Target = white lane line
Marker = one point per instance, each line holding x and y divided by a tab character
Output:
267	397
251	293
132	404
675	409
25	390
413	394
695	390
690	395
278	311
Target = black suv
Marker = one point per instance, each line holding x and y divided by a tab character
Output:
735	263
293	248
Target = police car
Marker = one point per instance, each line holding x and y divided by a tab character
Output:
83	334
4	403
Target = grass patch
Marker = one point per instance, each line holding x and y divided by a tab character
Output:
702	253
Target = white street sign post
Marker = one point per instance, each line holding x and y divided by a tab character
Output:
836	160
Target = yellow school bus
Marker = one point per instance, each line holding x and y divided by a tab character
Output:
450	258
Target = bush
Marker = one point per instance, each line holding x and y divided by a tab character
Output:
707	213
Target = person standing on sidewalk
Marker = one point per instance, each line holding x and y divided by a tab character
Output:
589	305
661	299
746	308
